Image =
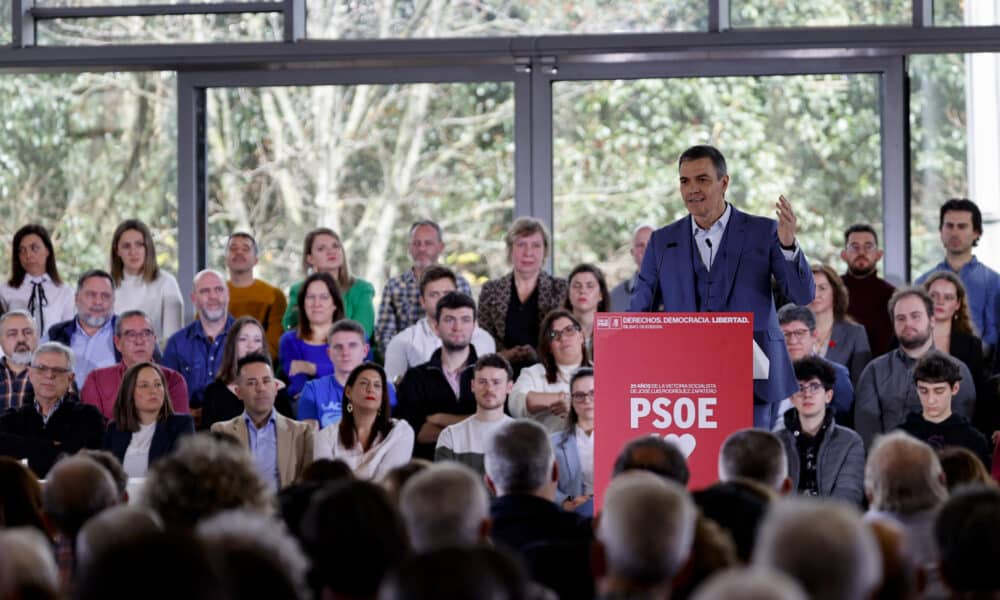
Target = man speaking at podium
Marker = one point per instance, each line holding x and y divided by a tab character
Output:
720	259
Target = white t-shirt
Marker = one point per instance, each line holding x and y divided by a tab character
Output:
533	379
414	345
466	441
137	454
385	454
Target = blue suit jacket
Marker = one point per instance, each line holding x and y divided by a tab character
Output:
750	255
570	474
165	437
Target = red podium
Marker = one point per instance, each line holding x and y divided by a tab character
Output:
687	377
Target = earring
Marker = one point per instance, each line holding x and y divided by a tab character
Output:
350	407
378	413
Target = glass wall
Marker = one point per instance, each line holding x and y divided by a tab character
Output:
820	13
167	29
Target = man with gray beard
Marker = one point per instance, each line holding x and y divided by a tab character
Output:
18	338
91	333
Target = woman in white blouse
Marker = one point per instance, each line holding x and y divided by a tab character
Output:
145	427
542	390
141	284
34	283
574	447
366	438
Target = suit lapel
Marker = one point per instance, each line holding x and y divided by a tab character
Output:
732	248
285	469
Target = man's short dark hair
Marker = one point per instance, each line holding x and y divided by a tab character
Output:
903	292
809	367
346	325
753	454
94	273
434	273
967	531
964	205
453	300
495	361
656	455
705	151
860	228
253	357
245	235
937	367
797	312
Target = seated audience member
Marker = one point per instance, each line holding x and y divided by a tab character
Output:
252	297
822	544
454	573
621	294
938	378
91	332
55	423
196	350
954	332
901	579
521	472
445	505
323	252
466	440
20	496
904	483
325	470
754	583
353	536
512	307
541	392
653	454
869	293
366	437
967	532
644	536
739	508
34	282
414	345
962	467
587	295
18	338
220	400
320	402
113	466
755	455
281	447
438	393
799	327
115	525
402	304
885	393
393	481
255	556
837	337
303	352
574	446
140	284
136	343
205	475
145	427
32	564
824	459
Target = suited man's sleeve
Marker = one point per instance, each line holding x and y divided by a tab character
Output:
794	276
647	281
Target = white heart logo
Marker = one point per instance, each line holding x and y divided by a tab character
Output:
685	442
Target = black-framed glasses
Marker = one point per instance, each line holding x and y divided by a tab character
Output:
557	334
51	371
581	396
810	388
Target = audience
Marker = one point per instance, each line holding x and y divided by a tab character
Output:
739	508
461	574
445	505
838	337
962	467
252	297
756	583
18	339
91	332
902	579
587	295
32	565
967	532
34	282
303	352
656	455
366	437
755	455
621	294
869	293
140	284
20	496
574	446
954	332
113	466
118	524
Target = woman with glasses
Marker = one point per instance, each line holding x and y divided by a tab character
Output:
541	392
574	447
587	296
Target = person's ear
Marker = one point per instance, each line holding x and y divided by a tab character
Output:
843	255
954	388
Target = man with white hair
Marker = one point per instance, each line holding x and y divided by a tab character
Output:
621	294
756	455
756	583
18	338
196	350
90	333
824	545
445	505
644	536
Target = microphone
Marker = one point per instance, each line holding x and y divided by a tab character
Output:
708	243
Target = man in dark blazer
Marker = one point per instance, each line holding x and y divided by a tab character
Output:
720	259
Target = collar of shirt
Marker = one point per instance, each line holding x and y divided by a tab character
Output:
55	407
43	278
252	426
108	327
716	228
198	331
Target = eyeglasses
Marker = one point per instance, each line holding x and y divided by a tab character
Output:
557	334
51	371
808	389
861	247
135	336
581	396
796	334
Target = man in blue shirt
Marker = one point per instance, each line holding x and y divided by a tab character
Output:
90	334
961	226
196	350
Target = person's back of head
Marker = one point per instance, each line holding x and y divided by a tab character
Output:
822	544
739	508
478	573
754	583
20	495
967	531
111	527
756	455
962	467
393	481
645	530
656	455
902	577
519	460
77	488
113	466
445	505
903	475
33	569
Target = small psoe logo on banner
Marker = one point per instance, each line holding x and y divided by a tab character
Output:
609	322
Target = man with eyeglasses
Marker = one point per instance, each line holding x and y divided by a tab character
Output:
438	393
869	293
90	334
55	423
136	341
824	458
18	338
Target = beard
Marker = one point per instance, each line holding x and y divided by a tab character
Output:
94	320
214	315
865	272
916	341
20	358
451	346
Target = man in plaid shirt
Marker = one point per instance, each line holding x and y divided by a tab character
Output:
400	306
18	338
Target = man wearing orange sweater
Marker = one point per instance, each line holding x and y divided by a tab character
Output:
252	297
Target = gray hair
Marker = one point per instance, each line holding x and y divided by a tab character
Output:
822	544
55	348
76	489
204	272
444	505
128	314
903	475
519	457
756	455
797	312
755	583
646	528
31	563
116	525
427	223
18	312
